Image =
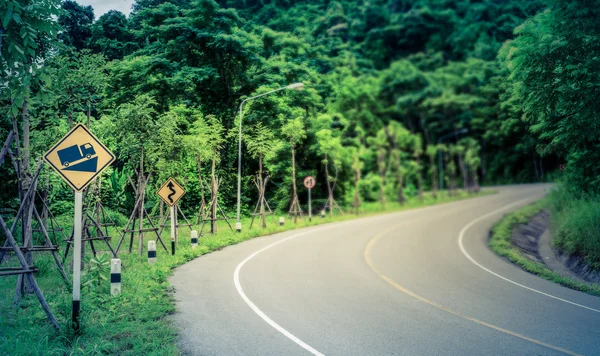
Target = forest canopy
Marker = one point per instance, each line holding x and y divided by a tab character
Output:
504	91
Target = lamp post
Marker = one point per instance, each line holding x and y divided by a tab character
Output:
440	165
295	86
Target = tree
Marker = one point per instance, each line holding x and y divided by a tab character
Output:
293	130
432	152
261	143
329	146
76	21
134	127
380	145
400	139
78	82
111	36
417	147
554	72
27	29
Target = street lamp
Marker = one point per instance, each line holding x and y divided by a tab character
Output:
295	86
455	133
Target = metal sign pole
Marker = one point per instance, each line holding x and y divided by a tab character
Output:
309	206
77	260
173	229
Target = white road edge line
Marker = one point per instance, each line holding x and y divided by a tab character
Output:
461	236
240	290
238	286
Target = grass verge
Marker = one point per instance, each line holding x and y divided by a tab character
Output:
501	244
135	322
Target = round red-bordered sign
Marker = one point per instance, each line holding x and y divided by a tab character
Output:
309	182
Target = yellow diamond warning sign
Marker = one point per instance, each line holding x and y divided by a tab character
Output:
79	157
170	192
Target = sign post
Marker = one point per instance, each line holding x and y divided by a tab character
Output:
309	182
77	261
170	192
79	157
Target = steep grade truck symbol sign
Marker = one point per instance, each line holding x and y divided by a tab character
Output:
79	157
170	192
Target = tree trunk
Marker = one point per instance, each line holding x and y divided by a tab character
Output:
329	191
294	192
463	171
141	190
400	177
261	192
381	164
419	177
213	203
26	182
356	201
89	114
434	177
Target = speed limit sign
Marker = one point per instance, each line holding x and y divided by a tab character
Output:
309	182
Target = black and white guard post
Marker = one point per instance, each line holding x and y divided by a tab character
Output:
151	251
115	277
194	239
281	221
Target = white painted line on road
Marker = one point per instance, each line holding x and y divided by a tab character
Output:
461	236
238	286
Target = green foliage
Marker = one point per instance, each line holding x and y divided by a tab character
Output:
96	271
576	224
554	76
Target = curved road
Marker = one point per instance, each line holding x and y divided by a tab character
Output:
419	282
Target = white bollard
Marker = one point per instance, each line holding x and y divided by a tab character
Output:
323	214
194	238
281	221
151	251
115	277
238	227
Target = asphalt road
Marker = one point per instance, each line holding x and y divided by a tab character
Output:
420	282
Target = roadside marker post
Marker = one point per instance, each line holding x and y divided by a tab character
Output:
172	230
281	220
309	183
151	251
170	192
238	227
323	214
115	277
194	239
79	157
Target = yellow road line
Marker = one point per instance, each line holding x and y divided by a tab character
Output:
446	309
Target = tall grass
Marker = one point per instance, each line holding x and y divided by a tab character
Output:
576	224
500	243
